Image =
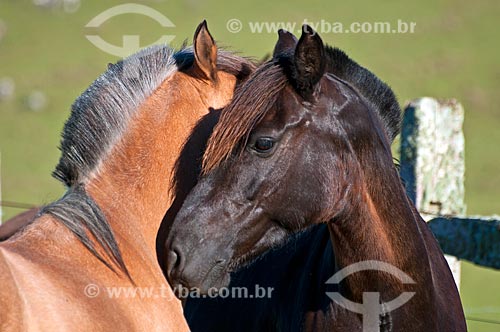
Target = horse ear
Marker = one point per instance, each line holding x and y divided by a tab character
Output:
286	43
309	61
205	51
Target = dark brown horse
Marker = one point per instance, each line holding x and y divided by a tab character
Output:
119	148
297	147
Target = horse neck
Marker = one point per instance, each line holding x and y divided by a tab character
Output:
133	185
380	225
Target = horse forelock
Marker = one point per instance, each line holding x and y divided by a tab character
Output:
251	102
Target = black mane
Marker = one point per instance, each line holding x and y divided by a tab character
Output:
378	93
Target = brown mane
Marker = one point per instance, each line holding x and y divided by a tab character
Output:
244	113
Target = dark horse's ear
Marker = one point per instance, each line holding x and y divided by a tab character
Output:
309	62
286	43
205	52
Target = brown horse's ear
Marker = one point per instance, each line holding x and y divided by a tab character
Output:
286	43
205	52
309	61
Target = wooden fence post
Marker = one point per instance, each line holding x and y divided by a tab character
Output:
432	160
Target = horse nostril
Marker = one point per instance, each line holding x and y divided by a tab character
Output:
174	262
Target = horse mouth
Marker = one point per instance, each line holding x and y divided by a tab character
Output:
216	278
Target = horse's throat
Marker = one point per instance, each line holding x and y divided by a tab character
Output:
380	233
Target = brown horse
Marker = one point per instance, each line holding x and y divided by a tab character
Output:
296	147
118	150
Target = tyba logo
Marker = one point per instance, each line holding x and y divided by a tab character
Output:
131	43
371	308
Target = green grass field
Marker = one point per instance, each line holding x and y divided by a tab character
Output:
454	52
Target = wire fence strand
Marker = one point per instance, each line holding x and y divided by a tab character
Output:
483	320
17	205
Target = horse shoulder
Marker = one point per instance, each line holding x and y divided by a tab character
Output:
36	275
46	275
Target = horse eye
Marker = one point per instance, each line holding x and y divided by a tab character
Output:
264	144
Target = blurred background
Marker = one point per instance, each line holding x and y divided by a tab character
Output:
46	61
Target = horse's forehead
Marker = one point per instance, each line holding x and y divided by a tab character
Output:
287	106
333	93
